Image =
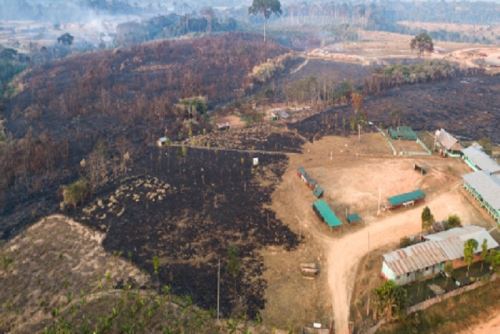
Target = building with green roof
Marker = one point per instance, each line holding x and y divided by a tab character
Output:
318	191
353	218
326	214
406	198
311	183
402	132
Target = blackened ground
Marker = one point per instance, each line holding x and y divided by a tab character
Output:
468	107
215	201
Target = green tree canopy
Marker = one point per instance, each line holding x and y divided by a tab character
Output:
422	43
470	248
391	299
454	221
493	259
427	219
65	39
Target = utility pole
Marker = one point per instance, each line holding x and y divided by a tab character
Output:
379	200
218	290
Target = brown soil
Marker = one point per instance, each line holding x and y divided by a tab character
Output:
52	262
491	326
403	146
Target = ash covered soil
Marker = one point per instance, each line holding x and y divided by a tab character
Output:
190	210
468	107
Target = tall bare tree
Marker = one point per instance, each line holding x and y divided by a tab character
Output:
266	8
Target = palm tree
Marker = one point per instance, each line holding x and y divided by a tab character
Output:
484	252
266	8
470	248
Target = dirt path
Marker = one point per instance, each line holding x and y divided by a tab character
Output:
492	326
301	66
344	254
229	149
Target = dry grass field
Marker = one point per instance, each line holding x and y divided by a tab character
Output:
51	264
377	47
474	30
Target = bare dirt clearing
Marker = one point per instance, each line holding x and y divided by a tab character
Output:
490	32
491	326
352	179
376	47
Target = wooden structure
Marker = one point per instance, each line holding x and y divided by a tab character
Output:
420	168
309	270
223	126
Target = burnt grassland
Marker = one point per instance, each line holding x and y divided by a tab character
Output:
214	207
467	106
63	109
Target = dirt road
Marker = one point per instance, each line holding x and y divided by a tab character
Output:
345	253
354	173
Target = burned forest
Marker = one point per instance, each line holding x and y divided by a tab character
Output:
263	166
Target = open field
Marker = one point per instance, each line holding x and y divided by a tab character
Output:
293	300
352	180
479	32
377	47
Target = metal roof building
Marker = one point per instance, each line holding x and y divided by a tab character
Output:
306	177
485	187
428	257
326	213
415	257
452	241
447	141
402	199
475	157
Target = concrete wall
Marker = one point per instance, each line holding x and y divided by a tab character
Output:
387	272
428	303
413	276
493	212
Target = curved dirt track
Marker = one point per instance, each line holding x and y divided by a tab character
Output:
360	173
344	254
